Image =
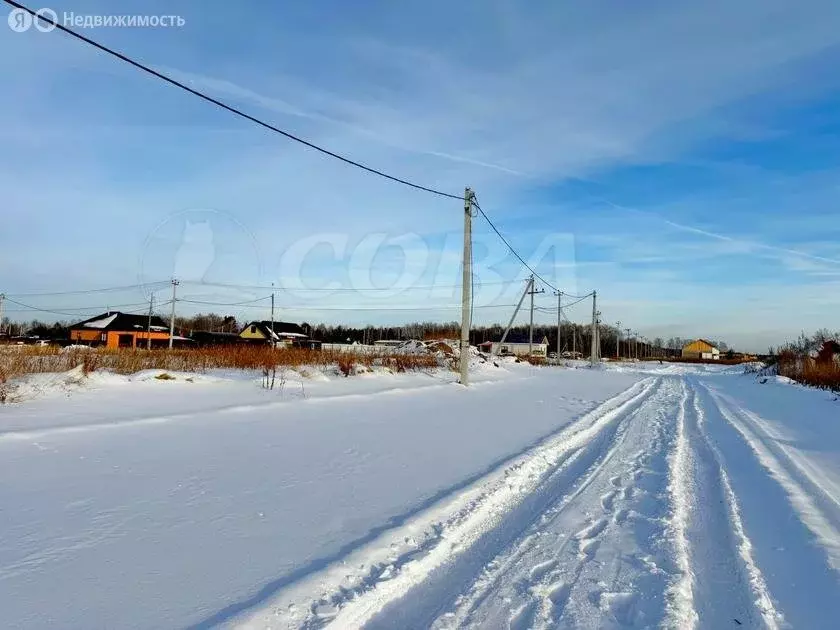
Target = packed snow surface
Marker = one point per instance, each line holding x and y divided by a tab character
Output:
637	495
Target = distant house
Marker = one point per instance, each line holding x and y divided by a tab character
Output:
700	349
282	334
516	344
204	338
122	330
388	343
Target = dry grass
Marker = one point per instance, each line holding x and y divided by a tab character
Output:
721	361
825	375
17	361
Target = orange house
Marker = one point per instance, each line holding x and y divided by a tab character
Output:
121	330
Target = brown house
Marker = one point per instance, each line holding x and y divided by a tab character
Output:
700	349
121	330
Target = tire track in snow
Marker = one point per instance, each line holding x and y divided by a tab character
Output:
476	524
605	573
585	541
681	613
758	585
817	509
774	541
719	583
448	568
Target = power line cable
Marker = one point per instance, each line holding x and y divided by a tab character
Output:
229	108
245	303
349	308
279	288
80	308
41	310
87	291
512	250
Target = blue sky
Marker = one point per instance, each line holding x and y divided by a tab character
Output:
680	157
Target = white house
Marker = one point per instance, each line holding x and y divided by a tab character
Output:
517	345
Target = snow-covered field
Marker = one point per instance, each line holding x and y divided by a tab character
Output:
637	495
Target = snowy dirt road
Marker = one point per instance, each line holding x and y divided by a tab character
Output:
668	506
639	496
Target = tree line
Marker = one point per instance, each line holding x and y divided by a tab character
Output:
572	335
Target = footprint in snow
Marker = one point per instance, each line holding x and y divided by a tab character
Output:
539	570
523	617
592	530
608	500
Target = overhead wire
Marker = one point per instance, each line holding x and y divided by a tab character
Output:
225	106
88	291
291	307
510	247
66	313
238	112
244	303
77	308
29	307
417	287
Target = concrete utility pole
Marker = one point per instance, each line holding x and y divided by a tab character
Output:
149	322
598	333
559	315
531	325
175	284
272	314
2	298
466	294
618	340
528	287
593	355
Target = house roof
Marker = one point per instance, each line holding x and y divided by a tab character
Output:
116	320
281	329
523	338
706	341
